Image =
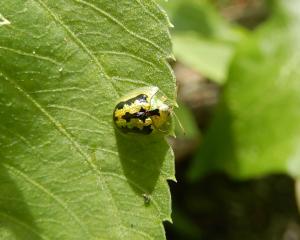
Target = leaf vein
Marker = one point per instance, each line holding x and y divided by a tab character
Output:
76	111
34	55
148	11
77	147
19	173
24	225
128	55
116	21
73	36
134	184
138	232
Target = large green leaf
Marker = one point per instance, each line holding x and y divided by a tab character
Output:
65	173
257	128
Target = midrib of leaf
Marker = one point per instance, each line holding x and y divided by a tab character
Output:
79	43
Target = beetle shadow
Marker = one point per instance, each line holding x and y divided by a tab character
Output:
141	158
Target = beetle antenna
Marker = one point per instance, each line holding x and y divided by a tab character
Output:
179	123
162	130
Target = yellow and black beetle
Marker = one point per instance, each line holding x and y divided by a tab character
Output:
143	111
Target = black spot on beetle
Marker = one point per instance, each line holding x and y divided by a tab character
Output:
128	116
142	114
154	112
141	98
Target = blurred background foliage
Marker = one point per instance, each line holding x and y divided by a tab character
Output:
239	91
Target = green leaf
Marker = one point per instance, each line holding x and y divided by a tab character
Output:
210	58
202	39
257	127
202	18
65	173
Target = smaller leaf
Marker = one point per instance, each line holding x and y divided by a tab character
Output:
210	58
256	129
202	39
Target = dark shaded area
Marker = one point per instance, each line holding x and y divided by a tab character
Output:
218	207
198	93
14	212
218	146
247	13
146	172
15	215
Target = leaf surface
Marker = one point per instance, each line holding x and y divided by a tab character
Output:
65	173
